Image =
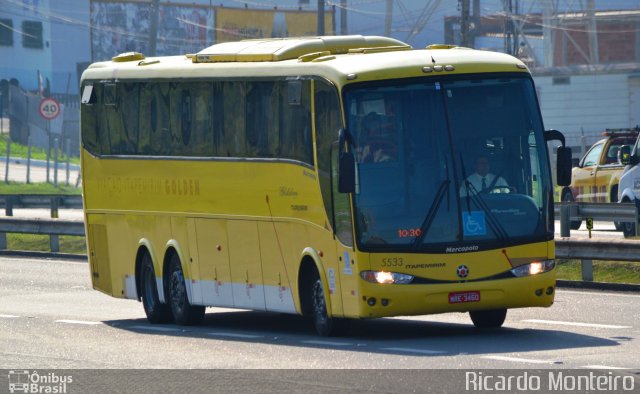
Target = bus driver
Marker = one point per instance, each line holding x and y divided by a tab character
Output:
482	181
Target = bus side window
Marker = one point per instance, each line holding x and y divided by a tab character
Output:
260	119
295	130
327	124
218	115
234	119
341	203
89	113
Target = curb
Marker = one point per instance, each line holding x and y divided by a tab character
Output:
44	255
577	284
39	163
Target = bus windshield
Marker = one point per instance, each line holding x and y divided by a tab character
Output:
451	161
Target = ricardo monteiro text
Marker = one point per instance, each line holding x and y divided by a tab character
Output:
550	381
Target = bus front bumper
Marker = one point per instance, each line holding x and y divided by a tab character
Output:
383	300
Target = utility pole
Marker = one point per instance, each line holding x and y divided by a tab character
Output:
388	17
321	17
592	33
465	39
548	33
153	28
343	17
511	36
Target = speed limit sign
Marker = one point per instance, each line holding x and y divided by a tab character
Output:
49	108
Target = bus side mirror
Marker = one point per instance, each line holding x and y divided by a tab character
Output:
624	155
563	166
346	164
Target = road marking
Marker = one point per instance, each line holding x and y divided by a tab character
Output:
561	291
152	328
601	367
234	335
521	360
569	323
416	351
87	323
9	316
328	343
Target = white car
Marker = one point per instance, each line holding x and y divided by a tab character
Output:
629	186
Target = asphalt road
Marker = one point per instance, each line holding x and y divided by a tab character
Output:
37	173
51	318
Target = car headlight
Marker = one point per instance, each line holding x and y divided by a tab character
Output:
534	268
384	277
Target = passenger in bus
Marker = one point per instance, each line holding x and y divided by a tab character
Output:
482	180
377	140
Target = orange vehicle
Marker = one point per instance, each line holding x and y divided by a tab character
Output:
597	175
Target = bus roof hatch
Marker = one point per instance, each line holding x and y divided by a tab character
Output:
277	49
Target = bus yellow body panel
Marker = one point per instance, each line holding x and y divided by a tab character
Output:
228	159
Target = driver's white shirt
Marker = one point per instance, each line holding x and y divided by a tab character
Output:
476	183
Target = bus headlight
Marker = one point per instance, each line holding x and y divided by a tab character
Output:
534	268
384	277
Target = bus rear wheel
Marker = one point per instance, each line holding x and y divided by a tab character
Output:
156	311
324	324
488	319
183	312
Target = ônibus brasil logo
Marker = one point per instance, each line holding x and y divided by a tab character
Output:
23	381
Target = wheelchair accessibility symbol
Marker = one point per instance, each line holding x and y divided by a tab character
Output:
474	223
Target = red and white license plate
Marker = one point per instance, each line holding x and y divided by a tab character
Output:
464	296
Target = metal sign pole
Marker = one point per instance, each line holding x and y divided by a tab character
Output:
48	148
55	161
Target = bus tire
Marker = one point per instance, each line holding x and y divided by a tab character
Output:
568	197
628	228
325	325
488	319
156	311
183	312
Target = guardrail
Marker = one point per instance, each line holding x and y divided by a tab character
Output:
52	201
579	248
54	228
613	212
589	249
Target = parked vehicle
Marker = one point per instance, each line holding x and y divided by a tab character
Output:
597	176
629	186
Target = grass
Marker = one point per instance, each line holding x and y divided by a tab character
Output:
40	243
603	271
19	150
37	188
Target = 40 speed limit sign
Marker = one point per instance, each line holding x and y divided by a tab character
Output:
49	108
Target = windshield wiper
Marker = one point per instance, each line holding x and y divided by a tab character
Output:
472	194
431	214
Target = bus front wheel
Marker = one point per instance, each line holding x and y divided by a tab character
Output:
324	324
184	313
156	311
488	319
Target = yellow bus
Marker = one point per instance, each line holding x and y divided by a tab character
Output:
330	177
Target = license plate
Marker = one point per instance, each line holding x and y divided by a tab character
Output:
464	296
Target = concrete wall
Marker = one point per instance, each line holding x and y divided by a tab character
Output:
587	105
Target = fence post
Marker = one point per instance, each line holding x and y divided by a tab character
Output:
8	210
565	220
587	270
8	158
54	240
29	158
68	152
